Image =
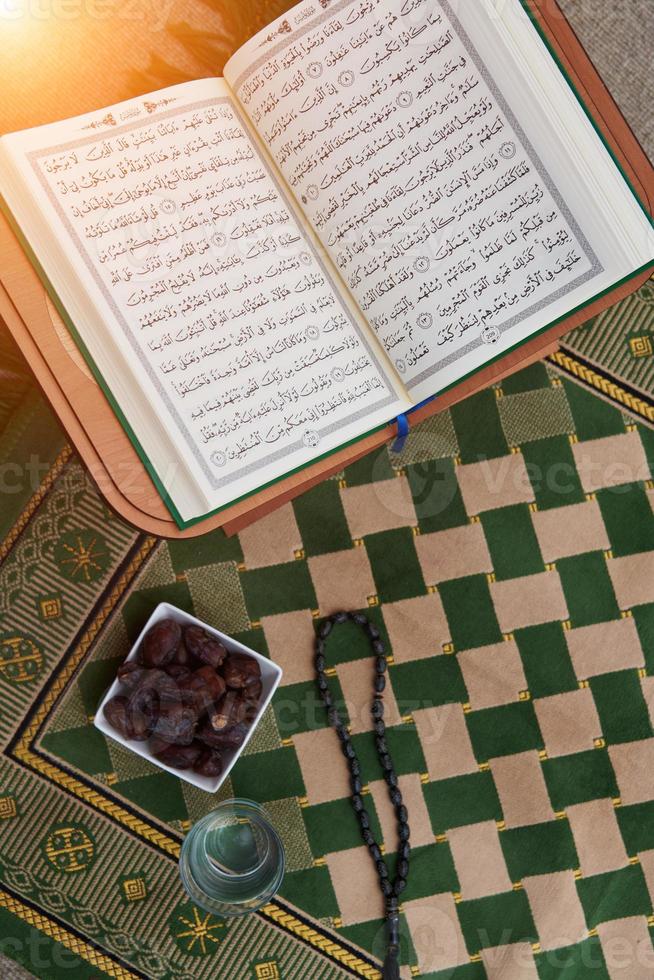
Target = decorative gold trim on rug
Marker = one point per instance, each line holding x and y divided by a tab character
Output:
56	932
34	501
326	945
23	751
607	387
49	770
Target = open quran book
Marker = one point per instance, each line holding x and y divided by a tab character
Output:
379	198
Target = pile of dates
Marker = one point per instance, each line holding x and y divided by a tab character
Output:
187	696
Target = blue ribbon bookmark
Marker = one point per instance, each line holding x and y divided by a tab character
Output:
404	426
402	432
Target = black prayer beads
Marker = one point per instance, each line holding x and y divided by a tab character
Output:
391	890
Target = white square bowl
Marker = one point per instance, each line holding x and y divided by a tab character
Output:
270	678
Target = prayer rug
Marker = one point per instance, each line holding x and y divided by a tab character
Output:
507	556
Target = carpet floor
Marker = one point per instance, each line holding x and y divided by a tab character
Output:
507	556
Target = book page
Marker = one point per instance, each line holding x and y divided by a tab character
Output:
210	298
411	164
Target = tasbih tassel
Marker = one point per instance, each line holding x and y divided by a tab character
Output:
390	890
391	968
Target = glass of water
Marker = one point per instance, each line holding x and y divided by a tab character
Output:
232	860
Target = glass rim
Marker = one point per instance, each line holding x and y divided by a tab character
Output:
221	908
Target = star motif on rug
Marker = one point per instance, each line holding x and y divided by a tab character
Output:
197	934
82	556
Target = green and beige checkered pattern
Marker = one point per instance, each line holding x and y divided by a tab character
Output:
507	555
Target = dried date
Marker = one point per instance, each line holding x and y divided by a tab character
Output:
144	705
131	674
160	643
225	741
241	671
176	723
213	682
159	685
204	687
204	646
183	656
157	745
116	712
230	710
253	691
180	756
209	763
130	722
